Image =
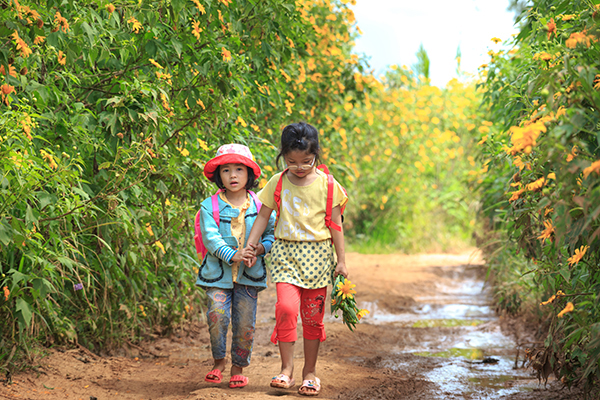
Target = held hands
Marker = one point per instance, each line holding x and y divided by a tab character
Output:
250	252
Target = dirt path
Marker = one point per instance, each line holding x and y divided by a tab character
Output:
401	350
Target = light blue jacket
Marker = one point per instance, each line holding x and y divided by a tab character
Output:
215	270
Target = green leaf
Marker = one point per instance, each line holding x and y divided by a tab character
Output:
6	232
23	312
566	274
177	46
90	32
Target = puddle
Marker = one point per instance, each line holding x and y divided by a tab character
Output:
477	359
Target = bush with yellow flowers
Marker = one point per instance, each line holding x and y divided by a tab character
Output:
108	114
541	184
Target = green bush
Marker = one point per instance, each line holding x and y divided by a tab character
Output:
541	190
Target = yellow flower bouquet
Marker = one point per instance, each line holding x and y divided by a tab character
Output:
342	298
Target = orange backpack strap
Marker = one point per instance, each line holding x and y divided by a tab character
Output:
329	207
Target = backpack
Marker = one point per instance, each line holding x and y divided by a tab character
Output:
328	208
201	250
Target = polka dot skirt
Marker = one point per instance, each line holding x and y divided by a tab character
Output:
304	264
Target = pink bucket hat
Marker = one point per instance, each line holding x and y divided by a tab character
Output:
231	154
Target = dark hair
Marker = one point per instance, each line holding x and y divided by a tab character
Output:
299	136
251	184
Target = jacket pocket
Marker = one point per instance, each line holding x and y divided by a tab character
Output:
258	273
212	269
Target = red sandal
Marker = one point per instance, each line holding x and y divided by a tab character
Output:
214	376
238	381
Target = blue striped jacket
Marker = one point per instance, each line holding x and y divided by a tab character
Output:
215	270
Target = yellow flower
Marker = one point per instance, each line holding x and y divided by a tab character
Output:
136	24
201	104
196	29
160	246
558	294
153	62
241	121
199	6
574	152
61	21
21	45
579	253
384	199
346	289
226	54
548	231
362	313
62	59
49	159
203	145
149	229
577	38
496	40
536	185
110	8
6	293
39	39
5	90
595	167
516	195
568	308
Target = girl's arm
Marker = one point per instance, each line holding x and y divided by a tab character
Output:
259	226
338	242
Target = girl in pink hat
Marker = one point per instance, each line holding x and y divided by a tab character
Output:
231	286
309	204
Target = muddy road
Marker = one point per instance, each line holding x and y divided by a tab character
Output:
431	334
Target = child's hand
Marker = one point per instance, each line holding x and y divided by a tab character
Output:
341	269
238	256
249	255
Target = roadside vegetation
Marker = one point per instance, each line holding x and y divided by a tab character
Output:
540	182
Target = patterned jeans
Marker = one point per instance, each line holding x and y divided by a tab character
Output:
237	305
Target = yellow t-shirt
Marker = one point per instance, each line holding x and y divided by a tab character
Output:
302	212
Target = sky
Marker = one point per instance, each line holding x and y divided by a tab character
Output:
393	30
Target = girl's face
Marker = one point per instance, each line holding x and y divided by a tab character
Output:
234	176
300	162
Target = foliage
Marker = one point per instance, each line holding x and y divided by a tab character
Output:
108	114
408	152
541	184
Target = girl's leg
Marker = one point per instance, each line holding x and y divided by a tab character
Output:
218	316
286	315
312	311
243	321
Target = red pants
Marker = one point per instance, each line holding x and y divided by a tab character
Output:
310	302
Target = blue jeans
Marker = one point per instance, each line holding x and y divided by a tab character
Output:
237	305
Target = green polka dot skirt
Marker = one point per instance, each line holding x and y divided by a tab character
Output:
304	264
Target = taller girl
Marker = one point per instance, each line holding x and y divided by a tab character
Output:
302	257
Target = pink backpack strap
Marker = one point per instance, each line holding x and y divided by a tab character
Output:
256	200
215	206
